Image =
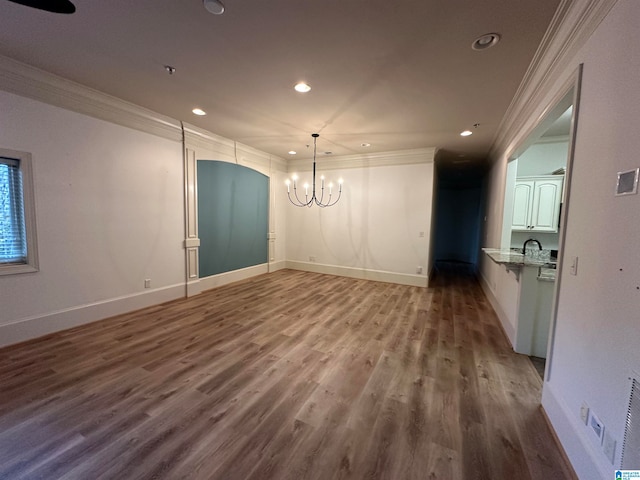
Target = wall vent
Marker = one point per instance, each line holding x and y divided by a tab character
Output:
627	183
631	445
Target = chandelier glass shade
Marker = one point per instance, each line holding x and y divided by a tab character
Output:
315	198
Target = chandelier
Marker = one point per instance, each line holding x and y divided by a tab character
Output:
309	201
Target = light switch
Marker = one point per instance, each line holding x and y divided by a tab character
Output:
574	266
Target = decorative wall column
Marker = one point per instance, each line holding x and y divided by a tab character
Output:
191	242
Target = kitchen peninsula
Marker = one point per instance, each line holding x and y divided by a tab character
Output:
535	277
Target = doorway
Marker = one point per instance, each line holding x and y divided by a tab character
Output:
458	211
537	193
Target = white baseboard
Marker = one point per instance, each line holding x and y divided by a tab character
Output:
275	266
507	327
207	283
570	431
37	326
363	274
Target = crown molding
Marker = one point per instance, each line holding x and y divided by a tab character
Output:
380	159
210	146
556	139
27	81
572	25
31	82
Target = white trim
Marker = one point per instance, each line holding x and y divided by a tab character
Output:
214	147
275	266
39	325
361	273
194	287
571	432
31	82
556	139
380	159
191	242
213	281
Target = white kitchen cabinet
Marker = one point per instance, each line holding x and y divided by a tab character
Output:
536	203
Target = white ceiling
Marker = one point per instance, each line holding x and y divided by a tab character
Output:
561	126
396	74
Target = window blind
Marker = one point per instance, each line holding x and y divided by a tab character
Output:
13	239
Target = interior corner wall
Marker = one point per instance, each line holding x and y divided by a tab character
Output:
595	342
380	229
109	214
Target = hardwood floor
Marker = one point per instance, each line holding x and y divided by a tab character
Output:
290	375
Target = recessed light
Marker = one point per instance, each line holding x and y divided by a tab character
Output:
487	40
302	87
292	152
466	133
199	111
214	6
365	144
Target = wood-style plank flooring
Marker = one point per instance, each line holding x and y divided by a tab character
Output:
290	375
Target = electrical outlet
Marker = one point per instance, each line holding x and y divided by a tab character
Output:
312	258
584	413
609	447
147	283
597	426
418	269
420	234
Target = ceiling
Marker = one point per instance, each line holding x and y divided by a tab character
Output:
561	126
397	75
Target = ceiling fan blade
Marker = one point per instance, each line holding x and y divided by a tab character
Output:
55	6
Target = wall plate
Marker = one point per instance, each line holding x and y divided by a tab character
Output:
627	183
597	426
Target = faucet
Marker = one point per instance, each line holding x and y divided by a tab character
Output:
524	247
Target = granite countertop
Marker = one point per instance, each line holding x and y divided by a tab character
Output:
513	259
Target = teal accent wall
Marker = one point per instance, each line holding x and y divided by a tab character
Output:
233	210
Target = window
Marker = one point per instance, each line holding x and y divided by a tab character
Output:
17	214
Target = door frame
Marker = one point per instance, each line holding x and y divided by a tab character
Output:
567	95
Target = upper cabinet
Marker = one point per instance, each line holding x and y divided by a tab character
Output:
536	203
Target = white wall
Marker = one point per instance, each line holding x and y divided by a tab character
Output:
110	213
374	228
596	333
599	308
